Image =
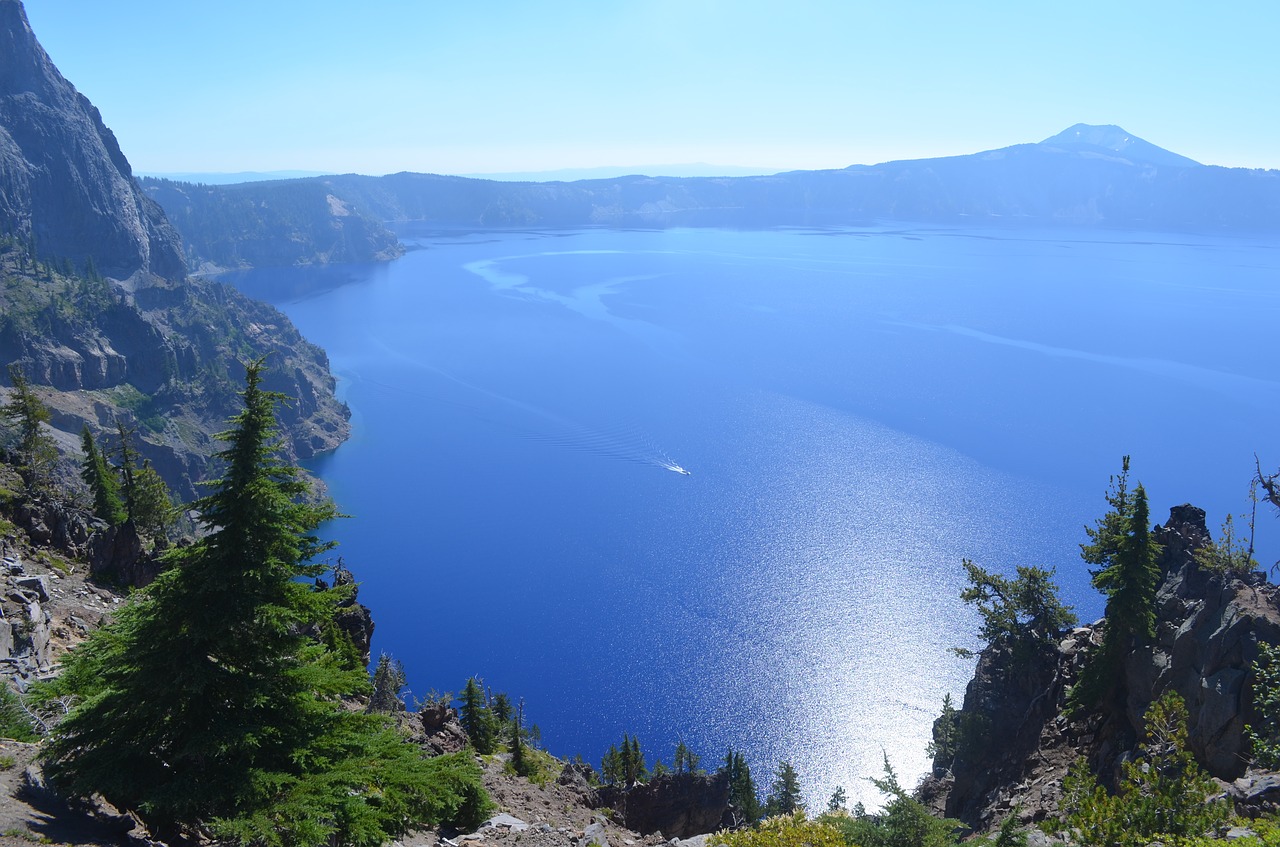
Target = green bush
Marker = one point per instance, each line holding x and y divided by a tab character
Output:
784	831
14	722
904	822
1265	739
1162	797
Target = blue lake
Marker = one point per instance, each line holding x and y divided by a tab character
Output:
858	410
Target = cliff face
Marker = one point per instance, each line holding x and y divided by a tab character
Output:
272	224
63	179
1017	740
126	335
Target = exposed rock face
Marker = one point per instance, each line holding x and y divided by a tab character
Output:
353	617
26	650
444	732
1207	632
271	224
677	805
63	178
116	556
54	524
143	343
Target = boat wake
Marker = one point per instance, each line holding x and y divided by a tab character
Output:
531	422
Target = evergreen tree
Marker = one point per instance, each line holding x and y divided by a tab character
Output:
154	514
25	414
500	706
128	465
147	500
611	769
1164	796
1129	579
839	800
388	681
1105	535
476	718
784	793
742	788
205	703
1022	615
681	749
520	761
686	760
635	767
904	821
1264	737
101	479
945	731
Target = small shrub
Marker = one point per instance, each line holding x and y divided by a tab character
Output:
1163	796
1265	739
904	822
783	831
1227	555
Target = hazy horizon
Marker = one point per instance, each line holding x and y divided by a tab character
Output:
568	85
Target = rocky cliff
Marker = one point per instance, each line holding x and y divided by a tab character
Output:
1016	738
95	304
63	180
270	224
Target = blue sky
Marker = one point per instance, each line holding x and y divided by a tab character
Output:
457	87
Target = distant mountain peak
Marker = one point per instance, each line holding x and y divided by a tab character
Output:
1116	139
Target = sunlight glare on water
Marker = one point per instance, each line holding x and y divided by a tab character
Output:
859	411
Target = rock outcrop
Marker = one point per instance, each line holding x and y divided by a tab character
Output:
677	805
270	224
63	179
1209	625
95	305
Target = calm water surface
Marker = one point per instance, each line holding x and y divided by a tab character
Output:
858	410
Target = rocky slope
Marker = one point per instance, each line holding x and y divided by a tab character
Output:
95	304
63	179
58	582
163	356
1209	625
270	224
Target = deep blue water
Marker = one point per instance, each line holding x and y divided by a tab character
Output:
859	410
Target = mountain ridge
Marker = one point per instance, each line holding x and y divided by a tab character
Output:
1085	176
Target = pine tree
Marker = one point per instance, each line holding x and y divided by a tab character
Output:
25	413
682	753
147	500
1105	535
611	768
520	761
636	770
388	680
205	703
784	793
101	479
500	706
742	788
1129	578
128	458
1164	796
153	511
476	718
